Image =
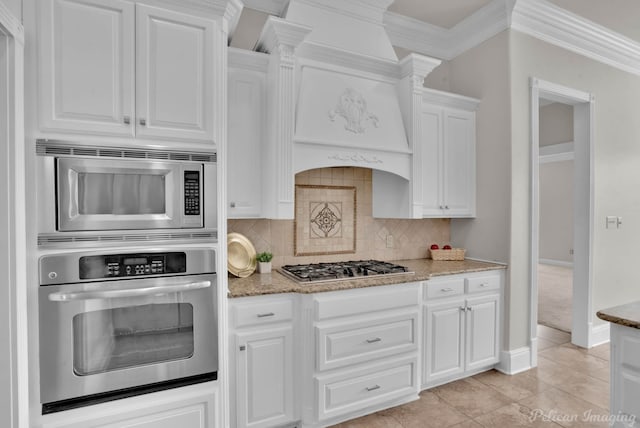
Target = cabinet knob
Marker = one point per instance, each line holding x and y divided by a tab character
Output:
143	122
468	308
446	207
462	308
126	120
441	207
243	348
232	204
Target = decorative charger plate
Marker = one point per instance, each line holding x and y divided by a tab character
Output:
241	255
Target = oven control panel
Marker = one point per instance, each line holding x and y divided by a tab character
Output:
192	193
126	265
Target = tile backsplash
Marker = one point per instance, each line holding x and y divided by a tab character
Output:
409	239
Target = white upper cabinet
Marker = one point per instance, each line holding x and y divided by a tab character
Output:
86	66
246	137
111	67
448	157
174	97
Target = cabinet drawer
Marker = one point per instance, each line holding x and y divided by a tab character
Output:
354	342
444	288
483	283
366	388
366	301
259	313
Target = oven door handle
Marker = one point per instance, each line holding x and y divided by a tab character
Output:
127	292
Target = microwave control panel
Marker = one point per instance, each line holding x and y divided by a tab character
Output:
127	265
192	193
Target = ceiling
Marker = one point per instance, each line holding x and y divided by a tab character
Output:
622	16
443	13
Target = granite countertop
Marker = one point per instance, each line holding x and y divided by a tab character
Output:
627	315
275	282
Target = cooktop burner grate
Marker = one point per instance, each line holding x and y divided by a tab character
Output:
318	272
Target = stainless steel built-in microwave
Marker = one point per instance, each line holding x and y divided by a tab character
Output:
102	192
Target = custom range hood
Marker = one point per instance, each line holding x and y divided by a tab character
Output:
341	97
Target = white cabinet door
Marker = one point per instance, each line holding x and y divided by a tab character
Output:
264	390
86	66
482	325
432	135
444	340
459	163
448	162
174	75
245	134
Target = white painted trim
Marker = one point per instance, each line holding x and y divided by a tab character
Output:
557	152
272	7
552	24
479	27
556	157
555	263
247	60
515	361
448	99
538	18
599	334
583	103
11	24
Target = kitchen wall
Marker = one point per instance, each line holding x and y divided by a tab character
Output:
616	172
411	238
556	211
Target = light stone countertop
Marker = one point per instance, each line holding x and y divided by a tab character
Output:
627	314
274	283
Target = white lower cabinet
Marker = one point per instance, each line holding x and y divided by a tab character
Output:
192	406
461	326
362	352
625	376
357	351
262	360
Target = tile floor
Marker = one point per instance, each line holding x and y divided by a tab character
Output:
570	384
555	291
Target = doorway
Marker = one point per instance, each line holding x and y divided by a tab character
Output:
582	333
555	257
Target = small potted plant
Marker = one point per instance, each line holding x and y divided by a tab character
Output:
264	262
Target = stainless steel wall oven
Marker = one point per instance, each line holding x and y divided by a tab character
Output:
113	325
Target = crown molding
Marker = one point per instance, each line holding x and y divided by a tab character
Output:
448	99
557	26
272	7
417	36
278	32
247	60
11	24
417	65
480	26
537	18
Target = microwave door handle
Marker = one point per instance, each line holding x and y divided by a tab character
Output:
127	292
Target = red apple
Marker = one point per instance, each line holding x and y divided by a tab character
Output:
446	247
435	247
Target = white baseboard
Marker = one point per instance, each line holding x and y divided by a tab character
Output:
599	334
555	262
515	361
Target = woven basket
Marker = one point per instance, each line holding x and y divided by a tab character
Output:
452	254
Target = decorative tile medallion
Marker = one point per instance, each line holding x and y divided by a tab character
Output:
325	220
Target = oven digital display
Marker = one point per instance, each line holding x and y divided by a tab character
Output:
125	265
135	261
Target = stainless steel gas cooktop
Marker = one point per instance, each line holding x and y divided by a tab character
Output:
323	272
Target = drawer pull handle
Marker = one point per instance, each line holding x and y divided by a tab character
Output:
462	308
377	339
468	308
446	290
373	388
268	314
484	284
